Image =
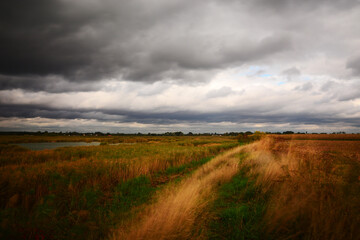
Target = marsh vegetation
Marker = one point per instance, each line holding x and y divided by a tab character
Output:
84	192
182	187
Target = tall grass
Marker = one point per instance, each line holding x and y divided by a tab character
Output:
238	209
78	192
314	187
177	209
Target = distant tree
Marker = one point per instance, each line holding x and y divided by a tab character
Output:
288	132
257	135
246	138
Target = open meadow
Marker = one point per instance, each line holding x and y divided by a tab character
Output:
83	192
182	187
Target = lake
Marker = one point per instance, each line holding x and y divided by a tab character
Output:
53	145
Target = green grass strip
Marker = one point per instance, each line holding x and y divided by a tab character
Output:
187	167
238	210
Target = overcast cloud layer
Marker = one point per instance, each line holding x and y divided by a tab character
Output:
168	65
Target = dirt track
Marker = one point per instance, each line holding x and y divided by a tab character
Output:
180	208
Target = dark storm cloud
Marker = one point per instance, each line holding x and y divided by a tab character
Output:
84	41
179	59
41	37
147	117
52	84
106	46
74	39
188	57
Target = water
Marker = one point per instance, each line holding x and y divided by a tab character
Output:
53	145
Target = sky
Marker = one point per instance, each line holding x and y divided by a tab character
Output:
180	65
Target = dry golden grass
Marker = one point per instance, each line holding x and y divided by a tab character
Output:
177	210
352	137
46	192
103	166
314	185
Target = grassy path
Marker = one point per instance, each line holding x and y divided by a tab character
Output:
178	208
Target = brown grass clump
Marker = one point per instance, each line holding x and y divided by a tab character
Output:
178	209
314	186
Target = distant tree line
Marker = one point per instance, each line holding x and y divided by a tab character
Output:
178	133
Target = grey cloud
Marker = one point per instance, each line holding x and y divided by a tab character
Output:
291	72
354	65
258	73
350	90
165	117
349	93
62	45
41	37
78	40
81	41
305	87
177	59
221	92
294	5
193	57
352	95
65	38
266	46
152	89
328	86
51	83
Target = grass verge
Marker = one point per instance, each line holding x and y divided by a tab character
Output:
238	210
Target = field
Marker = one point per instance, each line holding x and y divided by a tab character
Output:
182	187
312	185
83	192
